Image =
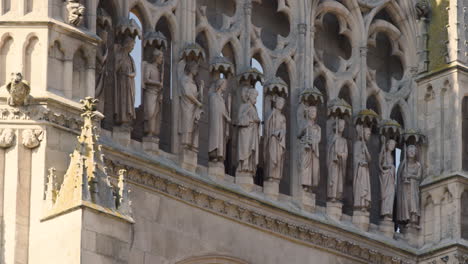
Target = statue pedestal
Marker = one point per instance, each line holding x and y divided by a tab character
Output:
361	219
387	227
245	180
334	210
271	188
308	201
216	170
188	159
151	145
411	232
122	135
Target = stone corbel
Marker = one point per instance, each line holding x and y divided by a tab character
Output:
32	138
7	138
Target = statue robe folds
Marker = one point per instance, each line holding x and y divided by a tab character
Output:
361	183
248	142
337	159
387	184
152	92
125	90
219	129
275	131
190	112
409	175
310	162
101	75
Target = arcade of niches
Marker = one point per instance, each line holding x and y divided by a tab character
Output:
233	131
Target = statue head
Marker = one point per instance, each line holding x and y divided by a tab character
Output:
279	103
158	56
311	112
16	77
129	44
191	67
391	144
220	85
341	125
366	133
411	151
252	95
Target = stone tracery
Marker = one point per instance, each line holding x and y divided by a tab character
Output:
340	44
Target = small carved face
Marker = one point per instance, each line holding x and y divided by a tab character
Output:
222	85
341	125
312	113
391	144
279	104
16	77
193	69
411	151
367	133
158	56
253	96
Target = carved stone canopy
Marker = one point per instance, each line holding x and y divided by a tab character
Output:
192	52
414	137
339	108
311	96
367	117
222	65
128	27
276	86
155	39
251	76
104	19
391	129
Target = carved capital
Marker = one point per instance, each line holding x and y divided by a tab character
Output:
32	138
7	138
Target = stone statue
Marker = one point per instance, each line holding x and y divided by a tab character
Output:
387	178
219	121
362	157
275	141
124	97
409	176
101	69
249	125
310	135
422	9
19	90
153	73
191	98
336	162
76	12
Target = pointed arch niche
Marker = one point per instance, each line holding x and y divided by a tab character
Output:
32	58
5	57
321	193
202	39
79	85
165	137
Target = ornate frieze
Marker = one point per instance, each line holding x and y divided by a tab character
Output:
250	216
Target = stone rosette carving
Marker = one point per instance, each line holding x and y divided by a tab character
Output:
19	90
7	138
32	138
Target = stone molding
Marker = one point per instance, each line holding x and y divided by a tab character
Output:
249	216
39	113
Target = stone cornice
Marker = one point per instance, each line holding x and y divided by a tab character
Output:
265	219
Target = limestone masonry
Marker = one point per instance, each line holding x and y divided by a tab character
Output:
233	131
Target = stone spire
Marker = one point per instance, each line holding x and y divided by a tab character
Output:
86	182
